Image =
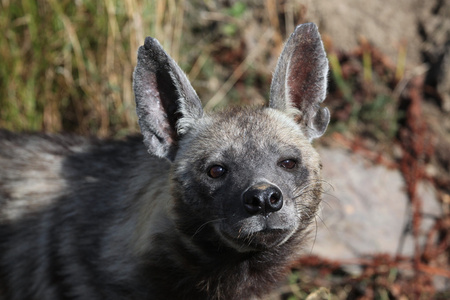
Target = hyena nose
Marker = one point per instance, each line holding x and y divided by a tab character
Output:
262	199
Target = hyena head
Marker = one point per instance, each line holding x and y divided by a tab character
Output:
247	178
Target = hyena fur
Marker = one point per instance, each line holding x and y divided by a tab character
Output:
210	205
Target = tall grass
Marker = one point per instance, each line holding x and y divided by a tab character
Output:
67	65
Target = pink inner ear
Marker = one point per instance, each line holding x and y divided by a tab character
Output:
300	79
151	111
156	110
306	76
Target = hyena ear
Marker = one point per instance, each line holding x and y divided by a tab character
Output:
299	83
166	103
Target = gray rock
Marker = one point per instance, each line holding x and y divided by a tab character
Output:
386	24
366	209
423	27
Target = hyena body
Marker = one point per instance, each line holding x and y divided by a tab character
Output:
218	210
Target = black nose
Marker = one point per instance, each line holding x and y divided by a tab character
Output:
262	198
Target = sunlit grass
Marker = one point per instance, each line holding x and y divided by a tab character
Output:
67	65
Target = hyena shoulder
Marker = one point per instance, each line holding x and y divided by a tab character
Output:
45	168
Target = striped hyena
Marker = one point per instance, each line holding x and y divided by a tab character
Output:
219	209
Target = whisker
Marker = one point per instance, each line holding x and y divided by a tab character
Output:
323	222
304	208
333	196
315	235
204	224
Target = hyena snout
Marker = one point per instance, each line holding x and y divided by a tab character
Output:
262	198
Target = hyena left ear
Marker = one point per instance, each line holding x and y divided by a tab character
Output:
166	103
300	80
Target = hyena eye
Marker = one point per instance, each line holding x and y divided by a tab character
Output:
287	164
216	171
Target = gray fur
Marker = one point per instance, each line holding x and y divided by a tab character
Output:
300	80
218	210
160	86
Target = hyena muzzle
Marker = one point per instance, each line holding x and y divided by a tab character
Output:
219	209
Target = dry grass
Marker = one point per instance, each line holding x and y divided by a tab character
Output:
67	65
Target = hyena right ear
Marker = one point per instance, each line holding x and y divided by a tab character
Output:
299	83
166	103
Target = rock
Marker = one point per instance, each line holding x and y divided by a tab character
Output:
422	26
384	23
366	210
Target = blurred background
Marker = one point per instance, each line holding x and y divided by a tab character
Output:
383	233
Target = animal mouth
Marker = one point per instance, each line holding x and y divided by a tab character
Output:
256	241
